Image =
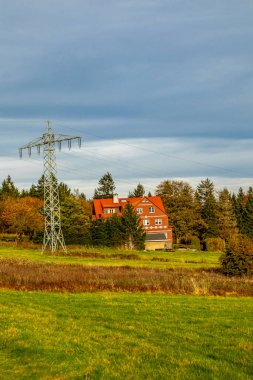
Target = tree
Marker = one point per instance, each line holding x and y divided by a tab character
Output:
179	202
133	232
99	233
75	221
205	197
114	231
247	217
23	215
106	187
238	258
8	189
227	224
139	191
38	190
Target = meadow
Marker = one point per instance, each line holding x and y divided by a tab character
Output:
124	336
106	314
112	257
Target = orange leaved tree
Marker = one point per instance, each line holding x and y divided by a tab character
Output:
22	215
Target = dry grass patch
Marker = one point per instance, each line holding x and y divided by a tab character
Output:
28	275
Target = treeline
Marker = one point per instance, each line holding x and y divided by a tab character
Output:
21	212
207	214
202	217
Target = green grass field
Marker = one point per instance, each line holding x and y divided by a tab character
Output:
124	336
187	259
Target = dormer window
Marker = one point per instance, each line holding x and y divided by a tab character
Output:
110	210
151	210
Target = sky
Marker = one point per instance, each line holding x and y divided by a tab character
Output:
157	89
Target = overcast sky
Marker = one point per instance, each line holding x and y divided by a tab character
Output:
159	89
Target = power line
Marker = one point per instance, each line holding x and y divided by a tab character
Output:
159	153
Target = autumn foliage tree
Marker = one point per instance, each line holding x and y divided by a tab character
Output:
22	215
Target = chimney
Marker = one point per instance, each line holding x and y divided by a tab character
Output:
115	198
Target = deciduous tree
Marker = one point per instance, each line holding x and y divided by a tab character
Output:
23	215
179	202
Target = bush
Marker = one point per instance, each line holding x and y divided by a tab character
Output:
238	258
195	243
214	244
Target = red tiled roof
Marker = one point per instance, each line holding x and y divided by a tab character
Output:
101	204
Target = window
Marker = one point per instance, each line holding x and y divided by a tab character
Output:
110	211
139	210
146	222
151	210
158	222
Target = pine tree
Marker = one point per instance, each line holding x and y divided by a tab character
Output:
106	187
227	223
205	196
239	206
114	231
99	234
8	188
75	222
133	232
139	191
248	214
38	190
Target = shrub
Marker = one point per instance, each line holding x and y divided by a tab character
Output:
195	243
238	258
214	244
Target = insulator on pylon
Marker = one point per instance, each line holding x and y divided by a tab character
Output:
29	151
79	142
69	144
59	145
20	153
38	149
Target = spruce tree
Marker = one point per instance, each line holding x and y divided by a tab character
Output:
114	230
248	214
75	222
133	232
106	187
227	223
139	191
99	234
239	206
205	196
8	189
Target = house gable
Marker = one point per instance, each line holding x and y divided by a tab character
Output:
155	202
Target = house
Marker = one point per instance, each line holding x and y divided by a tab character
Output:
151	213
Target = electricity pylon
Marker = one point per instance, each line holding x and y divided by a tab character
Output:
53	236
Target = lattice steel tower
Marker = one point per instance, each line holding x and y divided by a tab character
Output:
53	237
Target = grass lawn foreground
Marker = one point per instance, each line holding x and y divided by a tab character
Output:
124	336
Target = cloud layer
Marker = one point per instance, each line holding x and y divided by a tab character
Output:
173	77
